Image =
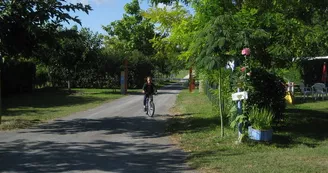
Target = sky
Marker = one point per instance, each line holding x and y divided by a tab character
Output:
104	12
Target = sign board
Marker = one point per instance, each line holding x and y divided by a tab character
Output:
239	96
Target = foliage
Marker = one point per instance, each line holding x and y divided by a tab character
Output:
18	77
235	118
213	77
131	37
41	76
276	35
26	24
176	26
265	90
133	29
260	118
292	74
75	53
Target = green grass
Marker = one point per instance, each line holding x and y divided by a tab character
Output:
23	111
300	142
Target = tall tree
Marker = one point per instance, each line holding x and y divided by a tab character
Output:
135	33
26	23
133	29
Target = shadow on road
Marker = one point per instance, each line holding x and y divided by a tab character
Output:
138	126
37	157
101	154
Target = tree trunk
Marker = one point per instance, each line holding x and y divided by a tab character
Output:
220	104
69	85
1	65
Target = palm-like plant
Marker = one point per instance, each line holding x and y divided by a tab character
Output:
260	118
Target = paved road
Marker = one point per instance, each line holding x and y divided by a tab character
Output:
115	137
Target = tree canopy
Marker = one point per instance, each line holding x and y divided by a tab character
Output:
26	24
276	31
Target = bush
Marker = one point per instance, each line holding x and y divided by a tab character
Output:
41	76
266	90
17	77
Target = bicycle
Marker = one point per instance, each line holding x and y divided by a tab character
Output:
150	106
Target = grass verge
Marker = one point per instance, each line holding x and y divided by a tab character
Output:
300	143
23	111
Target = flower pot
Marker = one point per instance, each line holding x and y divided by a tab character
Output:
260	135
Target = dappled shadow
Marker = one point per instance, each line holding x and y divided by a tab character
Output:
101	155
136	126
311	124
24	104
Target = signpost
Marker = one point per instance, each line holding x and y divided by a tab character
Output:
239	96
124	78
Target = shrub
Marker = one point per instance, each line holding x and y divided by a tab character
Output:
266	90
260	118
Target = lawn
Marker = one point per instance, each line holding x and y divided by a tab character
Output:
300	142
22	111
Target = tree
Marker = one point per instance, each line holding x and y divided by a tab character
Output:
134	33
174	26
76	52
25	24
133	29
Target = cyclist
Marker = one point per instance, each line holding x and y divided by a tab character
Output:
148	89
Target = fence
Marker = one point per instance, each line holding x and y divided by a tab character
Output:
208	89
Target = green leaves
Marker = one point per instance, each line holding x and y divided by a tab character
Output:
133	29
25	24
260	118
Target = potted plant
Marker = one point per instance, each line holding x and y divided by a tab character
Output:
261	121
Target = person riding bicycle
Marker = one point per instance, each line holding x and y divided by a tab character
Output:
148	89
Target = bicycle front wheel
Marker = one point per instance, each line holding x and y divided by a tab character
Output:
151	109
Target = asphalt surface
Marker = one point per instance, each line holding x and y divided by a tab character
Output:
115	137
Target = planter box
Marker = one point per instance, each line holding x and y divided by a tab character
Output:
260	135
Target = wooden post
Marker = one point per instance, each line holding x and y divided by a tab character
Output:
125	76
